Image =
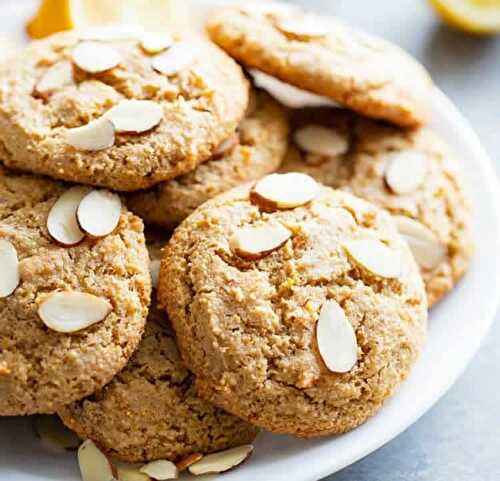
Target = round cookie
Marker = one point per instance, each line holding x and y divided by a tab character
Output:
432	211
249	329
323	55
42	369
150	411
193	106
255	150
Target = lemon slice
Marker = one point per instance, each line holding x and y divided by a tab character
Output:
151	15
474	16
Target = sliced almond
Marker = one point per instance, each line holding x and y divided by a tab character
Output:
178	57
53	434
336	338
405	172
96	135
375	257
56	77
94	465
9	270
288	94
321	140
221	461
425	246
160	470
95	57
256	242
284	191
135	116
129	472
226	147
303	26
99	213
154	269
72	311
186	462
61	221
155	42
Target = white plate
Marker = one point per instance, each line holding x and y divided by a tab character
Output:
457	327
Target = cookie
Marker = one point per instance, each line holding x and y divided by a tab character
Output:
297	307
70	317
323	55
411	174
111	113
150	410
256	149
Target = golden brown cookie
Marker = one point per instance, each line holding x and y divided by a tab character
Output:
297	307
145	117
325	56
48	355
256	149
150	411
411	174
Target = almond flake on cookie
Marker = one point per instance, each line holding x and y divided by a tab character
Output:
178	57
135	116
9	277
336	338
321	140
57	76
97	135
257	241
304	27
72	311
405	172
374	256
428	251
62	223
99	212
284	191
152	42
95	57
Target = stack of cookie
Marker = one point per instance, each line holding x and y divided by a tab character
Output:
294	252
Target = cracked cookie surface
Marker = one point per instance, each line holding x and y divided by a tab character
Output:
150	410
327	57
201	104
40	369
262	139
439	202
247	328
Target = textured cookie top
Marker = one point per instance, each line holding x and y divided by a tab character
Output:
327	57
42	369
150	410
254	150
246	307
182	108
412	174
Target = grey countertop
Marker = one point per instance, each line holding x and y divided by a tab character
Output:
459	439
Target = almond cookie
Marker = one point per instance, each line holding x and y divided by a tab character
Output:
70	315
118	112
150	411
254	150
411	174
297	307
325	56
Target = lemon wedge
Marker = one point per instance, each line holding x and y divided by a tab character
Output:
151	15
473	16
